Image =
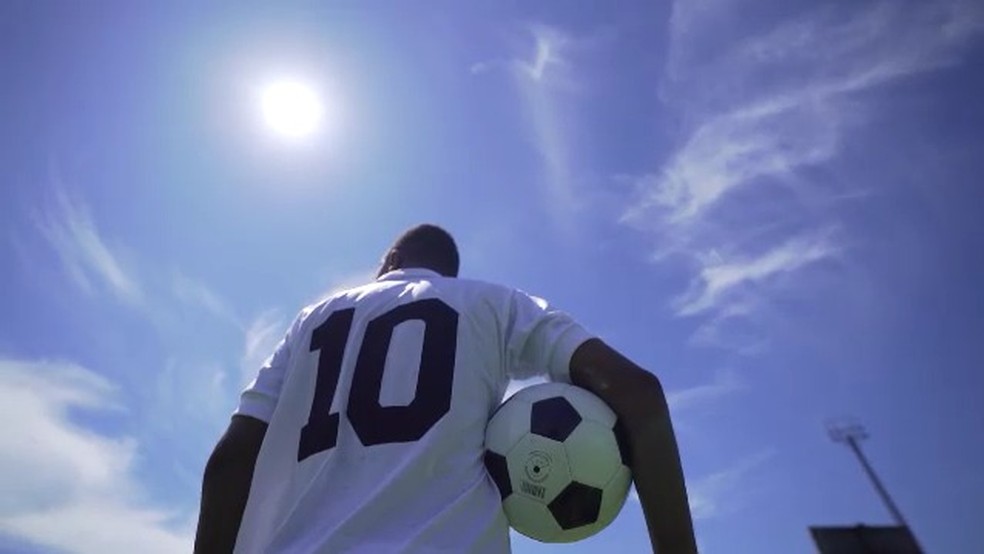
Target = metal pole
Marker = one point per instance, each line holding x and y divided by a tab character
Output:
882	492
851	433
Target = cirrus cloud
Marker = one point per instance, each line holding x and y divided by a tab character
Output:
68	486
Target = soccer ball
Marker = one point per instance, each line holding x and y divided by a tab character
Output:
554	452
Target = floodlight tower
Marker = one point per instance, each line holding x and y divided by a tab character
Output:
850	432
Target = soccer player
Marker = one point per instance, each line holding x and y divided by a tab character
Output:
364	431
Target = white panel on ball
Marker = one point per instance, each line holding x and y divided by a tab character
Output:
505	429
615	493
592	454
538	468
531	518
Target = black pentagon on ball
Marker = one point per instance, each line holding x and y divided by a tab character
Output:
499	471
554	418
622	438
578	504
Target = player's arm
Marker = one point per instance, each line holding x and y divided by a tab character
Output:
225	487
229	471
636	396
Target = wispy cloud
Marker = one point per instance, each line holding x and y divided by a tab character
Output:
724	384
68	227
95	266
734	327
548	64
710	495
784	100
713	495
196	293
718	279
826	50
262	335
195	393
65	486
740	148
540	79
734	199
545	75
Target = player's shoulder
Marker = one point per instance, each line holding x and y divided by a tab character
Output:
477	284
333	300
506	302
501	293
464	293
478	290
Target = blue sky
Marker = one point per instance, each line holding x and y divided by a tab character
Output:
775	206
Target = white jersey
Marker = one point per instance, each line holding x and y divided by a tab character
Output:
377	401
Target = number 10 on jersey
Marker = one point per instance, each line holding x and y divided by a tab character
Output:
372	422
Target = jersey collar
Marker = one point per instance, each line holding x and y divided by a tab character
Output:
408	273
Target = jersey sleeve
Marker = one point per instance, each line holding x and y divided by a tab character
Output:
259	398
540	340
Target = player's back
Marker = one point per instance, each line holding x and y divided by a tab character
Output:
379	399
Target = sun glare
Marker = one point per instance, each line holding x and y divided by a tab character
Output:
291	109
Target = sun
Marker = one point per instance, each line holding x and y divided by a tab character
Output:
292	109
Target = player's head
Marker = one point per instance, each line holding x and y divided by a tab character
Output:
426	246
